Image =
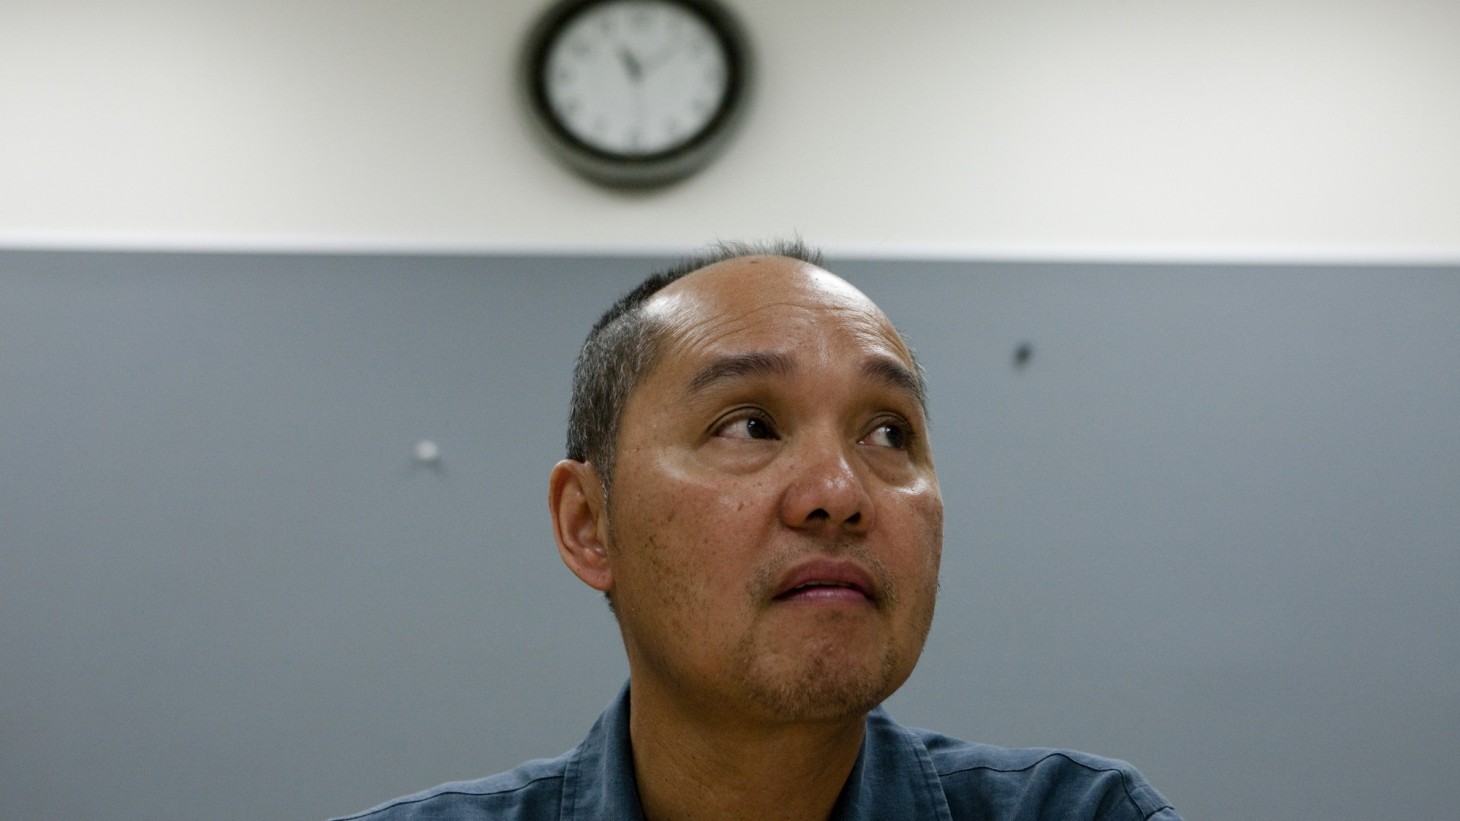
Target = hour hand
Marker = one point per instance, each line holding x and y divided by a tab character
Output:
631	64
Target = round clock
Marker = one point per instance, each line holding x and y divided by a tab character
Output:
637	92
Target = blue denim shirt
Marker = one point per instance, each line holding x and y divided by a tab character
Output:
900	774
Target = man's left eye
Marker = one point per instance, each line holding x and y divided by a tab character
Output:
888	436
746	427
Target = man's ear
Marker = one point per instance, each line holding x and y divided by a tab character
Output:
580	522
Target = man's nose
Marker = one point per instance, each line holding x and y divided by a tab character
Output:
826	491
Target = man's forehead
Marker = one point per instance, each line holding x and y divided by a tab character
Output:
767	292
749	308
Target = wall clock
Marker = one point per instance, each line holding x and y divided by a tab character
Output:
637	93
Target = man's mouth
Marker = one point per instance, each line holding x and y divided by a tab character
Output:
827	581
824	591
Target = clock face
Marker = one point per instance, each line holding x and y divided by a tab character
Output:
634	78
637	92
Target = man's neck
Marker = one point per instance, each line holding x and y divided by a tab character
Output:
700	768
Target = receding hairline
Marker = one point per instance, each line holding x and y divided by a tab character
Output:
659	307
900	370
792	265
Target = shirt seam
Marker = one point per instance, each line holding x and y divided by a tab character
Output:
424	798
1125	784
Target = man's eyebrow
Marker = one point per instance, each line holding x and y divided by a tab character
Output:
886	370
897	376
741	366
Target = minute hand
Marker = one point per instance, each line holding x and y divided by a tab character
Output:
661	56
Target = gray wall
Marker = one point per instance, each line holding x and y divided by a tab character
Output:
1212	527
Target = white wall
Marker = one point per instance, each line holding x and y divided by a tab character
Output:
1135	128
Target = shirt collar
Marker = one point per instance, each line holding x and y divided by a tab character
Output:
893	777
598	781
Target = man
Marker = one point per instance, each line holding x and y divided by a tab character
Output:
750	483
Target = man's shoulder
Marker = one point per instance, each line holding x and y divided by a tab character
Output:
952	755
987	781
531	790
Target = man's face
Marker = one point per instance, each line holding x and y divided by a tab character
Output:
775	524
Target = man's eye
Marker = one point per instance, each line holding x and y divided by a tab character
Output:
888	435
747	427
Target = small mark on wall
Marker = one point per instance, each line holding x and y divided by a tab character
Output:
1023	353
427	452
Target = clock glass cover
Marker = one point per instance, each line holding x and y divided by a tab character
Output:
636	77
637	91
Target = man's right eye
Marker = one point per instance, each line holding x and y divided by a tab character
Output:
746	427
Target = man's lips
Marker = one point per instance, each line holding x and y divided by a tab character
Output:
829	580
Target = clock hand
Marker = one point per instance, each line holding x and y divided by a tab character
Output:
631	64
661	56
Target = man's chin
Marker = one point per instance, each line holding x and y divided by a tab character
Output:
826	687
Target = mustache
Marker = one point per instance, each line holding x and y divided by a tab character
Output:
763	581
